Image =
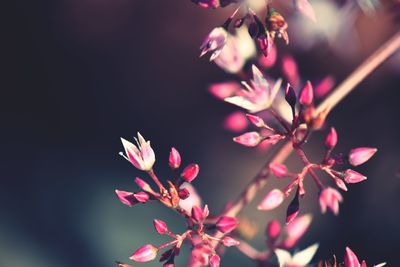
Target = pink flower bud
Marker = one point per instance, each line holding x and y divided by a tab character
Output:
144	254
273	230
330	198
279	170
350	259
272	200
293	209
229	241
324	86
307	94
341	184
121	264
197	214
143	185
360	155
226	224
257	121
183	194
352	177
190	172
250	139
142	197
160	226
214	260
126	198
174	160
296	229
236	122
331	139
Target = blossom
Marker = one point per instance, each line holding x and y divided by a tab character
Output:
299	259
330	198
141	156
237	50
145	253
214	42
257	97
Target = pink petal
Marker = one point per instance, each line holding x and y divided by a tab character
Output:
190	172
126	198
273	230
360	155
350	259
324	86
279	170
272	200
236	122
226	224
307	94
224	90
174	159
214	260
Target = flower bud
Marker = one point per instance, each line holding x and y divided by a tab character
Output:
279	170
350	259
293	209
290	96
143	185
272	200
174	160
183	194
330	198
214	260
126	198
197	214
331	139
226	224
229	241
144	254
160	226
190	172
273	230
340	184
307	94
142	197
250	139
352	177
257	121
360	155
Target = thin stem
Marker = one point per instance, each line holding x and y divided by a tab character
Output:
157	181
248	250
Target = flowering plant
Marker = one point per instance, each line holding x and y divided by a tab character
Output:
282	112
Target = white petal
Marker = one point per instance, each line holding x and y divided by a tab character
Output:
242	102
380	264
283	256
275	89
302	258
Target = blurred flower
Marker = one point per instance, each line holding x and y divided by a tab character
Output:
141	156
258	97
214	42
193	199
272	200
358	156
237	50
236	121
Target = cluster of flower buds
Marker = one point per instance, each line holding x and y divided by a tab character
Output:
142	157
350	260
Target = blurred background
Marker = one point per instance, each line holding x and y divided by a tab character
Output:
80	74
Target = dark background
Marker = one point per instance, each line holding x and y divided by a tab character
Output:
81	73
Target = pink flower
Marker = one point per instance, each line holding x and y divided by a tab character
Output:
360	155
190	172
259	96
307	95
214	42
279	170
250	139
141	156
226	224
145	253
272	200
174	160
229	241
330	198
331	139
352	177
160	226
